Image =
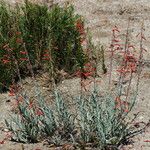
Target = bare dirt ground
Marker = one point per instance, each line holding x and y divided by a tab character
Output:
101	16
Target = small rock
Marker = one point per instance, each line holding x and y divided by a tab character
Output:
5	130
8	101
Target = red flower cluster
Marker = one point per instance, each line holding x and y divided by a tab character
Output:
19	41
121	104
24	58
80	26
131	67
12	90
81	30
39	112
84	74
18	33
46	55
6	59
87	71
30	105
7	48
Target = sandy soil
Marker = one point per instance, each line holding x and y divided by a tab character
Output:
101	16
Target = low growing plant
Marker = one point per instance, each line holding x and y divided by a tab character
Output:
25	125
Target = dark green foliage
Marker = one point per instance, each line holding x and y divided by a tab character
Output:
34	27
46	36
65	38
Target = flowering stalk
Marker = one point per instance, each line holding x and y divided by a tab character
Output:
140	59
121	78
29	62
114	42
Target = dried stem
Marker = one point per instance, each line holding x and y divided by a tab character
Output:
140	60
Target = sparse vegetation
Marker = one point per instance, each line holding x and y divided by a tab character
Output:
34	37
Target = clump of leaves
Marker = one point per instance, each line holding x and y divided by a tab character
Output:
100	122
34	120
65	118
25	126
48	120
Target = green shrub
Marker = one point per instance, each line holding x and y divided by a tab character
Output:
33	34
66	45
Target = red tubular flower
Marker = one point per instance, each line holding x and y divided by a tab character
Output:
46	56
82	75
81	30
18	33
87	74
80	27
133	67
123	70
19	41
2	142
11	93
118	102
115	40
130	58
39	112
23	52
23	59
31	104
147	141
5	61
115	29
89	68
126	110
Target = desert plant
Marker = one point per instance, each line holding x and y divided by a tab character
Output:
66	45
48	120
50	37
65	120
57	36
99	120
25	125
34	26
